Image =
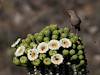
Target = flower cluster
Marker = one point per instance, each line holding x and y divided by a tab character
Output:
51	46
44	47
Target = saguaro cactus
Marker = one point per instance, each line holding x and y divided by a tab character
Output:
52	51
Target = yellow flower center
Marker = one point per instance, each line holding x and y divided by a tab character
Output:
33	54
54	45
43	48
20	51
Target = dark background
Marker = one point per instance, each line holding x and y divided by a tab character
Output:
20	17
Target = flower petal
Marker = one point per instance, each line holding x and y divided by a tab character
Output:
57	59
14	44
54	45
66	43
32	54
20	51
43	47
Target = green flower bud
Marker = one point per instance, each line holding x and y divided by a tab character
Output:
55	32
16	61
41	34
66	30
47	32
46	39
76	37
60	30
74	46
47	61
39	38
36	62
52	52
65	52
42	56
74	57
53	27
23	59
81	57
82	62
54	37
46	28
26	50
73	40
32	45
30	36
24	44
80	52
79	47
35	35
23	41
63	35
72	52
27	40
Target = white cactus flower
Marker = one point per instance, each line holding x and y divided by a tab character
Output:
20	51
32	54
43	47
57	59
65	43
54	45
16	43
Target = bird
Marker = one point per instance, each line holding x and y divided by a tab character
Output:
73	18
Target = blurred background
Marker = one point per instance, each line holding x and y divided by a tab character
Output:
20	17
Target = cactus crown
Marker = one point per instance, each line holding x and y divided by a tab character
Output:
52	51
